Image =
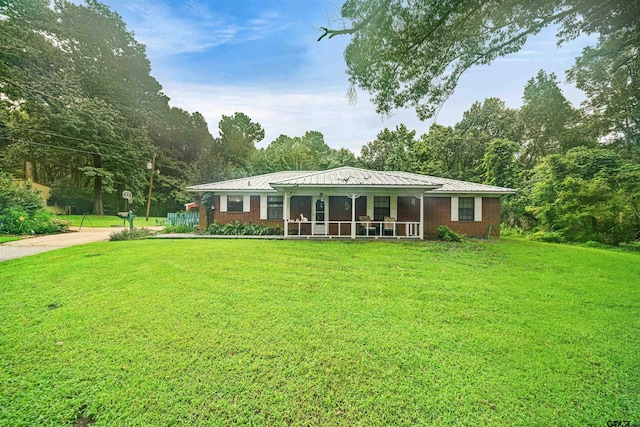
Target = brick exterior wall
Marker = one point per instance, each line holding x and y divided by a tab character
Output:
438	212
253	216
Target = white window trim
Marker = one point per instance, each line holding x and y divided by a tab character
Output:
477	208
263	206
223	203
246	203
477	214
454	208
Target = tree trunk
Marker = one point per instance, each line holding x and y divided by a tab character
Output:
98	207
28	170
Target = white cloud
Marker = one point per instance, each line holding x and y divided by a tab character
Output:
167	33
291	112
314	97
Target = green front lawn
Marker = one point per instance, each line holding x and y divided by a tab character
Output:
100	221
256	332
4	239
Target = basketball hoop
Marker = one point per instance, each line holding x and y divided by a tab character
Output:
127	195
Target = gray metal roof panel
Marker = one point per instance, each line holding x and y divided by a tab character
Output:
358	177
259	182
349	176
457	186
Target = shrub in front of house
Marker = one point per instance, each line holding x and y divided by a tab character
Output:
236	228
183	228
135	234
447	234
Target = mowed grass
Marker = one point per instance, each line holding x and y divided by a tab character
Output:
5	239
253	332
101	221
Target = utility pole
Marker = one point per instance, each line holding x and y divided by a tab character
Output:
153	169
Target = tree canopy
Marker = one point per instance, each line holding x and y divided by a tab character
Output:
307	152
81	112
412	54
77	104
238	137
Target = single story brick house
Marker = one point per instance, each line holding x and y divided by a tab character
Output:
351	202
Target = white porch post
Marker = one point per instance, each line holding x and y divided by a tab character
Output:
422	217
353	198
286	213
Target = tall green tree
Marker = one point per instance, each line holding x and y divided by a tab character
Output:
390	150
341	157
500	164
609	74
113	68
80	96
480	124
434	153
412	53
458	152
489	120
108	61
30	64
580	196
180	139
238	138
551	125
308	152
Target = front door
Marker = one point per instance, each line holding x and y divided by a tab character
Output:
319	216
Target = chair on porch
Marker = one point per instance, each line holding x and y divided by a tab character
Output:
389	226
365	227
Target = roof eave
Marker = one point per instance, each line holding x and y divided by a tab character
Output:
424	187
500	192
231	190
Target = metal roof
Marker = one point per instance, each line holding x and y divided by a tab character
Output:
349	177
355	177
457	186
259	182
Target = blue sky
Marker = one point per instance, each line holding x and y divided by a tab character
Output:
261	57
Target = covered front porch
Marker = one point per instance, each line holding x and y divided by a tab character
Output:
333	214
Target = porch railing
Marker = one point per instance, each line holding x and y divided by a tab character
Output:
375	229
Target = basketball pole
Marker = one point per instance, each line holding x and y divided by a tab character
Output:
153	169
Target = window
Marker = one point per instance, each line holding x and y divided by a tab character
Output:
234	203
381	207
465	208
274	207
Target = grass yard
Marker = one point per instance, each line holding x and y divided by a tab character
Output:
100	221
252	332
5	239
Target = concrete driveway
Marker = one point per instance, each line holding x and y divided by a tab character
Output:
36	245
